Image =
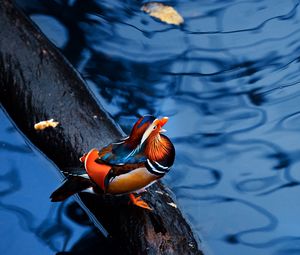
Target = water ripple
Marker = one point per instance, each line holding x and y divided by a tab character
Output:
229	80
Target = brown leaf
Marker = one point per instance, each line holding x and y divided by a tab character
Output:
45	124
163	12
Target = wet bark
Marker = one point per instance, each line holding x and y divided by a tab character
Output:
37	83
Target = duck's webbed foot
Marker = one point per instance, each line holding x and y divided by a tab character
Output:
138	201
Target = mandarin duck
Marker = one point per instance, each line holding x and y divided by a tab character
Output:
127	166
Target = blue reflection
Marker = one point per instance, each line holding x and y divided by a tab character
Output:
30	223
229	80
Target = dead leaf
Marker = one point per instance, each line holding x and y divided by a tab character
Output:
163	12
45	124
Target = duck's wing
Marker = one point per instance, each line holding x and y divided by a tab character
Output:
119	154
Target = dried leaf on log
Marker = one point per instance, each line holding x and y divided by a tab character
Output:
45	124
163	12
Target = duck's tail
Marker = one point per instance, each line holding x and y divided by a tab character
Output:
71	186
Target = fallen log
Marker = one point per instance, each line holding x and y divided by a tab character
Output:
37	83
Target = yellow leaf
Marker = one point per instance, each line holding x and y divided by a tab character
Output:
45	124
163	12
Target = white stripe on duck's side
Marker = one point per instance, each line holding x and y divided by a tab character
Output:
154	169
163	167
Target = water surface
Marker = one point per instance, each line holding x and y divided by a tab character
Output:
229	81
30	223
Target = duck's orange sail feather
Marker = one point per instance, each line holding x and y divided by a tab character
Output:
96	171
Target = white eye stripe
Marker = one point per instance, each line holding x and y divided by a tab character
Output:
147	132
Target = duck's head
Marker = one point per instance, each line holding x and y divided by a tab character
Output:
154	129
147	127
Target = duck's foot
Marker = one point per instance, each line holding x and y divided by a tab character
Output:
139	202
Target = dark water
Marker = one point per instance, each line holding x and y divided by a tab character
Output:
29	223
229	81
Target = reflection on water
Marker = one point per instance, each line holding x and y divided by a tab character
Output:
30	223
229	80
